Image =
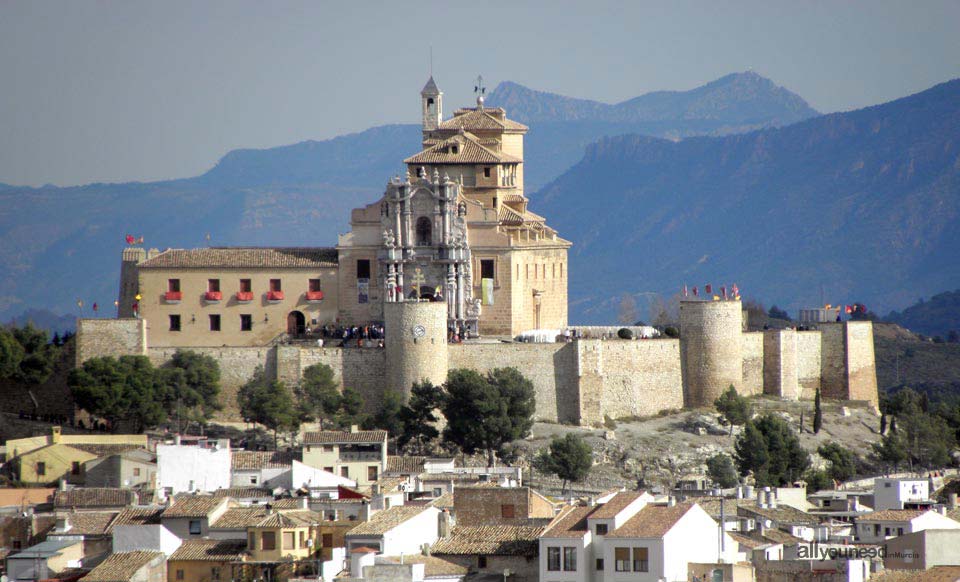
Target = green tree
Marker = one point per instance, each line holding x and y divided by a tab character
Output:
39	355
843	463
351	408
388	416
126	389
721	471
817	481
817	413
11	354
268	402
568	457
777	313
193	381
734	408
319	393
770	449
419	416
484	412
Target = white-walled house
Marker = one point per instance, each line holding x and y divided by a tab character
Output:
152	537
269	469
192	468
900	493
319	482
398	530
879	526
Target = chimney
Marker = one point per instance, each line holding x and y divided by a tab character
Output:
952	501
269	508
771	500
443	524
739	492
747	491
354	428
305	503
63	524
170	500
55	432
671	501
63	484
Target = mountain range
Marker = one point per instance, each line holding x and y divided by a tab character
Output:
719	173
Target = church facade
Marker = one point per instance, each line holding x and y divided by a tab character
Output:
455	229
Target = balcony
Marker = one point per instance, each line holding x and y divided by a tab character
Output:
314	296
274	296
213	296
244	297
172	297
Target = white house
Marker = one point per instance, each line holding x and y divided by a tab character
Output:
879	526
321	483
269	469
150	536
398	530
193	468
900	493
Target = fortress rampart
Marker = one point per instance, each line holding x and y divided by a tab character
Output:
580	382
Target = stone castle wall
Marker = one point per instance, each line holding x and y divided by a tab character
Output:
861	362
752	352
780	363
808	363
110	337
711	350
416	345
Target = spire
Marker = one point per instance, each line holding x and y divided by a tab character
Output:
431	99
430	88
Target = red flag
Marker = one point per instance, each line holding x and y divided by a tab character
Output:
723	291
95	307
130	239
140	241
849	309
695	291
708	289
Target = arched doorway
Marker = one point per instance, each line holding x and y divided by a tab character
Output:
296	323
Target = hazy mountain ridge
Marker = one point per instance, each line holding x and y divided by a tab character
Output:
937	316
736	99
866	203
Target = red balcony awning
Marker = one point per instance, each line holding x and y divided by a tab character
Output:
244	296
172	296
274	295
314	295
213	296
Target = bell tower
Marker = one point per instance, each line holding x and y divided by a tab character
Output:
431	99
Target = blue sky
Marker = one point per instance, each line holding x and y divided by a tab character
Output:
130	90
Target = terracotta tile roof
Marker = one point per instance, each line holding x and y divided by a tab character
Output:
493	540
16	497
263	459
617	503
331	437
94	497
712	505
744	540
106	450
777	536
137	516
244	492
508	215
571	522
653	521
779	514
89	523
211	551
461	149
280	519
240	517
290	503
122	566
432	565
444	501
243	258
893	515
405	465
488	118
386	520
193	506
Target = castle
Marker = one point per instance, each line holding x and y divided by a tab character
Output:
452	250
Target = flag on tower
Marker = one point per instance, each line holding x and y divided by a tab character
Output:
95	307
695	293
723	291
708	289
684	290
130	239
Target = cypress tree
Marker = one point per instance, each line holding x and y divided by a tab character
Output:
817	414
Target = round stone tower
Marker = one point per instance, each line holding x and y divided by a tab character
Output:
710	352
416	344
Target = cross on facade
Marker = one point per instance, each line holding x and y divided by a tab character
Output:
418	279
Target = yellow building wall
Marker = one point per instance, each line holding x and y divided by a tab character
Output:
269	320
22	446
199	570
298	552
58	463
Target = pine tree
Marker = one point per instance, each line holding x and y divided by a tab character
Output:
817	414
883	423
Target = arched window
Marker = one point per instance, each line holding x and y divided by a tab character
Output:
424	234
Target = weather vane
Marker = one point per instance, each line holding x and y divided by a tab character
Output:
479	89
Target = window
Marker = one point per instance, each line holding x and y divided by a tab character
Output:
601	529
328	469
487	269
553	559
641	562
173	285
326	540
481	561
621	557
314	285
194	527
289	540
179	574
253	479
600	564
486	172
214	322
372	473
136	471
75	468
17	545
174	323
213	284
275	285
363	268
569	559
245	286
327	448
437	491
251	541
246	322
41	468
899	531
268	540
887	485
345	472
424	232
214	572
507	511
